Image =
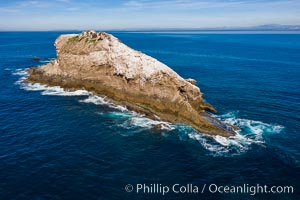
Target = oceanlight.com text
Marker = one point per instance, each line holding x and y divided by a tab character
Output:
208	188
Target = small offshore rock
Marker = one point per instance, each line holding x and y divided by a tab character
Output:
36	58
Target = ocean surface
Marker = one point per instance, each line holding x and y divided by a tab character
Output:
56	144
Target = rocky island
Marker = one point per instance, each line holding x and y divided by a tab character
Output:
100	63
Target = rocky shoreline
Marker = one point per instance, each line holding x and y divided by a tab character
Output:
100	63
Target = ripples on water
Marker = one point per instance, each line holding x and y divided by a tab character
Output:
58	144
251	132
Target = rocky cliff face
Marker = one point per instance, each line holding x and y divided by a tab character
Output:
100	63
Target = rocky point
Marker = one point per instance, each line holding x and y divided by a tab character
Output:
102	64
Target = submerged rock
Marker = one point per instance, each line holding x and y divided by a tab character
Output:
36	58
100	63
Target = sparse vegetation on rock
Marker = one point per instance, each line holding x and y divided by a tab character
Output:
100	63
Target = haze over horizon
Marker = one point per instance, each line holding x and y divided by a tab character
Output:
145	14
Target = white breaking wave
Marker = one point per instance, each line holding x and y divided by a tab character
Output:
46	90
23	75
251	127
47	61
20	72
146	123
95	100
33	87
103	101
133	119
251	132
58	91
55	91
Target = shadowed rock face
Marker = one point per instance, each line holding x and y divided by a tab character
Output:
100	63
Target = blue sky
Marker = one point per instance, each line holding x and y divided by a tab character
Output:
140	14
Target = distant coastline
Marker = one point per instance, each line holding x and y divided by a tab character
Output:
250	29
272	32
267	27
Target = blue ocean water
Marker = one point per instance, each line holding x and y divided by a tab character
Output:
73	145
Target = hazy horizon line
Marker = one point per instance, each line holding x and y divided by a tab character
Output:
226	28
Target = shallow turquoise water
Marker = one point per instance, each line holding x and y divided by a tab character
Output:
54	145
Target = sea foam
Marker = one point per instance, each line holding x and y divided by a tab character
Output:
47	61
103	101
132	119
19	72
55	91
45	90
146	123
251	132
